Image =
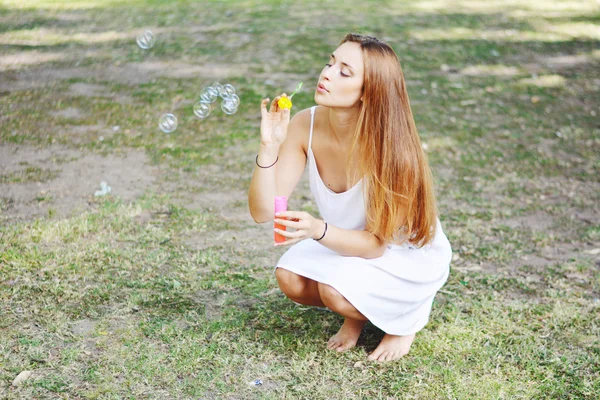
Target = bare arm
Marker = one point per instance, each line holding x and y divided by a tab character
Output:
262	186
286	148
351	243
346	242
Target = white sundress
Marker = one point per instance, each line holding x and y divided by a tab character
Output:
394	291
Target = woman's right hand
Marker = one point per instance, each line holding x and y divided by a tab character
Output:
274	123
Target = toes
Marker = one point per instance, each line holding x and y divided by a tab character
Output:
333	343
374	355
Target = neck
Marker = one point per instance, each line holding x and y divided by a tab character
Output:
342	123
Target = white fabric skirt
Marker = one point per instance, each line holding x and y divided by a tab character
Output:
394	291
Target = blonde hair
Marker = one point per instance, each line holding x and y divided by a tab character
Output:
400	199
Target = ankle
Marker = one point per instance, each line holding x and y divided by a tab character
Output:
354	322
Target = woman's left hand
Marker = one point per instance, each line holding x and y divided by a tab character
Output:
305	224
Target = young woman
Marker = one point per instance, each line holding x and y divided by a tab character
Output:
380	254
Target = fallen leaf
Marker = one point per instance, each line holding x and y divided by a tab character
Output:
22	377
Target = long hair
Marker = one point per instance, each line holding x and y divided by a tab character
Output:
400	199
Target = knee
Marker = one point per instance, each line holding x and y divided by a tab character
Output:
331	297
291	284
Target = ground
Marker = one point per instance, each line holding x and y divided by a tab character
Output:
164	288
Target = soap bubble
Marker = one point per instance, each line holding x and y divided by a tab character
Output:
217	86
229	106
202	110
168	123
145	40
234	99
226	91
209	94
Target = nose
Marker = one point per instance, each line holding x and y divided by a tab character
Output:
326	73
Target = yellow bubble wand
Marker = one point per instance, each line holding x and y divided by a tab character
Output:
286	102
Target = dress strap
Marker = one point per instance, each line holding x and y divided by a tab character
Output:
312	121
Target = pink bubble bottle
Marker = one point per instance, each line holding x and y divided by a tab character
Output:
280	205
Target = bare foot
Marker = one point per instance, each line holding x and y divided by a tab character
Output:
347	336
392	347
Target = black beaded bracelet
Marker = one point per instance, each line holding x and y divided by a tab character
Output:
323	232
269	165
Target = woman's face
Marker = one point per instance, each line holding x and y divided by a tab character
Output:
341	81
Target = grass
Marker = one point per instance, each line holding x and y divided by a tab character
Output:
156	298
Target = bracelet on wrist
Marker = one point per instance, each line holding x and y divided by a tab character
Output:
323	232
269	165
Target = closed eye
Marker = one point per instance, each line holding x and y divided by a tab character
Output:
341	73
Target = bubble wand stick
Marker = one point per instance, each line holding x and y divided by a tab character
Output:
286	102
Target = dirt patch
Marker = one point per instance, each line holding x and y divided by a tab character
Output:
568	61
78	177
87	90
84	327
129	74
14	61
13	158
70	113
80	134
539	221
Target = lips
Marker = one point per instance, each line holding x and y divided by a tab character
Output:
322	87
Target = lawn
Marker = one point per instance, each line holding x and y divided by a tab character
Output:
164	288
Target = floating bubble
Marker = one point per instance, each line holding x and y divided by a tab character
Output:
217	86
227	91
229	106
202	110
168	123
145	40
209	94
234	99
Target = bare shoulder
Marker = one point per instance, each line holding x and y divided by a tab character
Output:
321	118
299	127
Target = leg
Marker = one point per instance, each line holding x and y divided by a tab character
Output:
392	347
338	303
354	321
298	288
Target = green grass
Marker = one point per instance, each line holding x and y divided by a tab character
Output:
125	301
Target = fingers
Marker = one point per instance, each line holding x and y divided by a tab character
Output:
292	241
292	223
291	235
263	106
274	105
292	214
286	115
